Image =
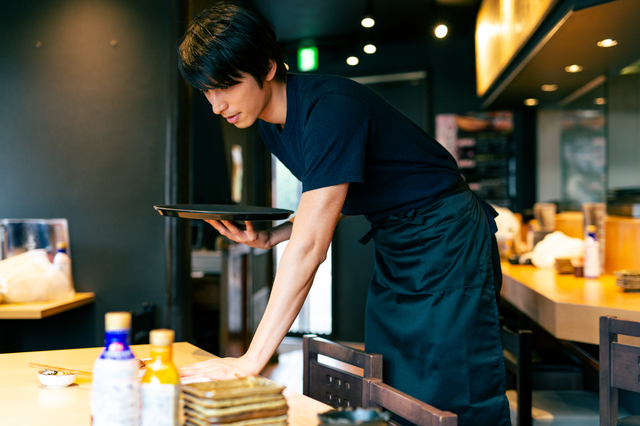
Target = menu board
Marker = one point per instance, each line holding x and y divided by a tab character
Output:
484	148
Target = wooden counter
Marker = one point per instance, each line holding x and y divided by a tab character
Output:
38	310
567	307
25	401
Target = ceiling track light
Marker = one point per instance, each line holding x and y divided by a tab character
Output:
573	68
368	20
607	42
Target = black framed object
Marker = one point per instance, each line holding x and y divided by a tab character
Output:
222	212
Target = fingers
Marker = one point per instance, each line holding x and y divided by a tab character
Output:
227	228
214	369
234	232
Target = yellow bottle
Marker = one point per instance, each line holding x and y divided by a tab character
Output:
160	387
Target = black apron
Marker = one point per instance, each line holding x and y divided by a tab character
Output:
432	311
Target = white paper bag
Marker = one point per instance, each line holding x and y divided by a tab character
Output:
30	277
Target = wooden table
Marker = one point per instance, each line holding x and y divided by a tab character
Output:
38	310
25	401
567	307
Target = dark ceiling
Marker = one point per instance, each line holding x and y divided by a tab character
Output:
338	21
574	42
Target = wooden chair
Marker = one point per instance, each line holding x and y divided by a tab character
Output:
619	369
536	407
348	377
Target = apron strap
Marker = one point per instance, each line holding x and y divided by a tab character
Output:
411	216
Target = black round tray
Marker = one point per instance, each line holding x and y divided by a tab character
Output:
222	212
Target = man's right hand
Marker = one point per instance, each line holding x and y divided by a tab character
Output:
248	236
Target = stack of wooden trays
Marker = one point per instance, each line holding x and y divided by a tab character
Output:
627	279
250	401
563	265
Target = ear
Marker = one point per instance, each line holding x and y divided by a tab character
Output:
272	71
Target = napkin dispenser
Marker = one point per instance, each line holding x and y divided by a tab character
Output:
18	236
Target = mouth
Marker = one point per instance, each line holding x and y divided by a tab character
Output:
233	118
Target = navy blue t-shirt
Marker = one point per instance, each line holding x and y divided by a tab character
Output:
339	131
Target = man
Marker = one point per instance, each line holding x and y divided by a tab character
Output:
431	307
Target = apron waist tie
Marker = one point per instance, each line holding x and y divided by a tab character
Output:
412	217
369	235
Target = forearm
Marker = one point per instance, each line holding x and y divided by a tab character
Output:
290	288
279	233
310	237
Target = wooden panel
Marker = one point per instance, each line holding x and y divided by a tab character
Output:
38	310
625	370
622	249
570	224
335	387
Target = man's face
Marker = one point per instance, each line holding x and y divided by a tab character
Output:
241	104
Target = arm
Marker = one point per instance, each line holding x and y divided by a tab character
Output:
311	233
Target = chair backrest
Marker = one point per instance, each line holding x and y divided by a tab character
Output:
517	347
378	394
336	385
619	365
342	386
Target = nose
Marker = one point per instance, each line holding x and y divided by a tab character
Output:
217	103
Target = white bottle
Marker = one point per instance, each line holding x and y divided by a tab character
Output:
115	394
591	254
61	260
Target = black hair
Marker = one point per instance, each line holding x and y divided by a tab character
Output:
224	41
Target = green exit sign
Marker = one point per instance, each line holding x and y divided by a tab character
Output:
308	58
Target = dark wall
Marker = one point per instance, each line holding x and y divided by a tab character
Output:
84	101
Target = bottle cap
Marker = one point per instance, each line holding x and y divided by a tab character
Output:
161	337
61	245
591	228
117	321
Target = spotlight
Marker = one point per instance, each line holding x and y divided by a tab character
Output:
368	21
352	60
441	31
607	42
369	48
573	68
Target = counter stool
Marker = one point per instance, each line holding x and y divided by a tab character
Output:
542	407
619	369
346	377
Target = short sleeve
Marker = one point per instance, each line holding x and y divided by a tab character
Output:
335	142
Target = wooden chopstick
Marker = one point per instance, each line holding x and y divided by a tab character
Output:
64	370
